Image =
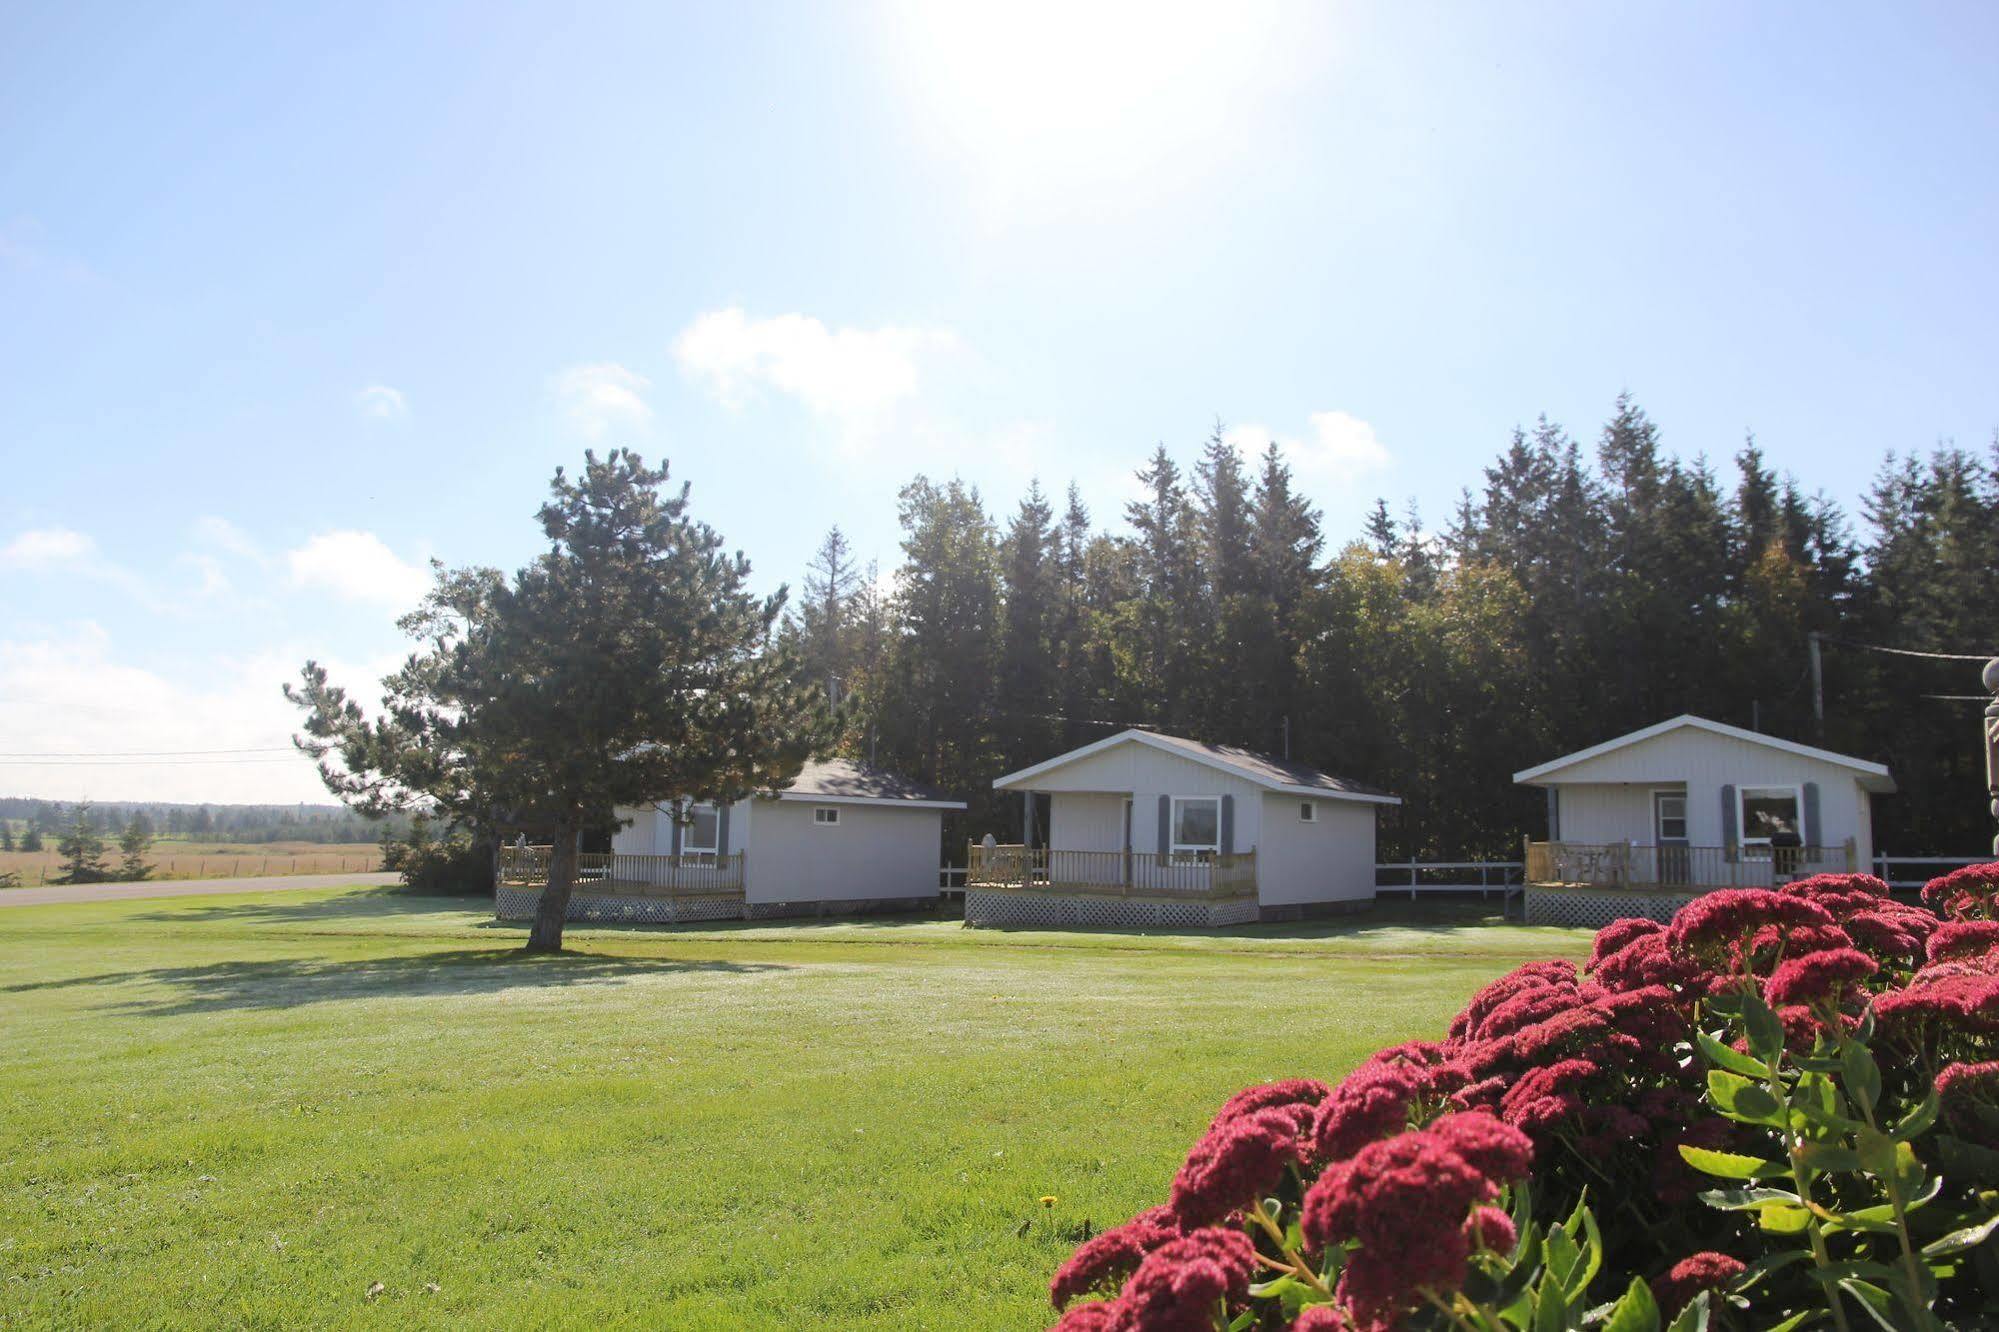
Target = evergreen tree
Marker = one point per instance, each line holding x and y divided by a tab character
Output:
1383	537
825	613
81	847
134	843
31	840
1162	656
1025	689
6	836
627	664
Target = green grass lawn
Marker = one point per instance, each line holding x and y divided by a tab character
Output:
248	1111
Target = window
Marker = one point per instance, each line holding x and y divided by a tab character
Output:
1197	827
702	835
1671	807
1768	817
1307	812
825	816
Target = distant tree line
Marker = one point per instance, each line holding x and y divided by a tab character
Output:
1574	594
23	818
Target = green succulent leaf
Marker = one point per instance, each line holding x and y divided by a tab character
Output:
1730	1058
1741	1099
1637	1311
1750	1200
1729	1165
1919	1120
1694	1317
1959	1240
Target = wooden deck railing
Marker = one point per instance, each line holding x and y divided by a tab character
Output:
1630	865
628	876
1111	873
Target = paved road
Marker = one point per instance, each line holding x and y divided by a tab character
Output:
115	892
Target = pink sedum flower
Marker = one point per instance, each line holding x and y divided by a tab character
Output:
1690	1276
1237	1162
1815	977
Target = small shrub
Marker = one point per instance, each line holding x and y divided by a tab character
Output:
451	863
1779	1111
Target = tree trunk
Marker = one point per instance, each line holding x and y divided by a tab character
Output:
553	911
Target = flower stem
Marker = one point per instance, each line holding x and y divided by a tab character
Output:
1299	1267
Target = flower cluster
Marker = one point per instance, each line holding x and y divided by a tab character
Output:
1586	1081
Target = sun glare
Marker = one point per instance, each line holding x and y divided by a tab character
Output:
1040	97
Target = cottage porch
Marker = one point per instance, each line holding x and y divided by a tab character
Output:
1579	883
659	890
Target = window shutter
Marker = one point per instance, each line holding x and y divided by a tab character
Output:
1728	834
676	828
1810	814
1554	813
722	831
1165	826
1228	825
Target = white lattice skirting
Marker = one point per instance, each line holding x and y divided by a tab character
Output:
520	904
1595	909
1053	911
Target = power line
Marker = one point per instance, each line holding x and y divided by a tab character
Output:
138	753
1909	652
137	762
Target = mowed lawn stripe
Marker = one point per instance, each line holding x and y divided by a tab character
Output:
248	1111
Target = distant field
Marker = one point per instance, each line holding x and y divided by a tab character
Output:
367	1109
214	860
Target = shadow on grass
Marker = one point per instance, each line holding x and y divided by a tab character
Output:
359	903
294	982
1435	919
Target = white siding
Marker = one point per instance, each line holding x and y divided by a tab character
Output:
1296	862
651	831
1602	813
1145	774
1082	821
1607	798
872	852
1329	860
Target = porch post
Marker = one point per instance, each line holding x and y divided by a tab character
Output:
1027	820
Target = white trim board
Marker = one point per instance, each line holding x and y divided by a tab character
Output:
1883	783
1013	780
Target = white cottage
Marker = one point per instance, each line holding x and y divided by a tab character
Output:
1150	829
1640	824
843	837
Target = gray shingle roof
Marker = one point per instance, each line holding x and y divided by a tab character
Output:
1269	769
846	779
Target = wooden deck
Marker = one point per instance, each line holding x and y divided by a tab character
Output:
1143	874
1679	869
597	874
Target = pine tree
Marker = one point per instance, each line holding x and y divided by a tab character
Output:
1025	690
1383	537
6	836
628	663
135	842
31	840
1167	631
825	613
82	850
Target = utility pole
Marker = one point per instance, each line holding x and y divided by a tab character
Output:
1818	691
1991	679
1287	737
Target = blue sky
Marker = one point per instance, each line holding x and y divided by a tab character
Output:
293	300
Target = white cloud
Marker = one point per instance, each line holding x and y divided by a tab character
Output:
47	548
852	376
603	397
358	566
1338	449
69	692
381	403
225	536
